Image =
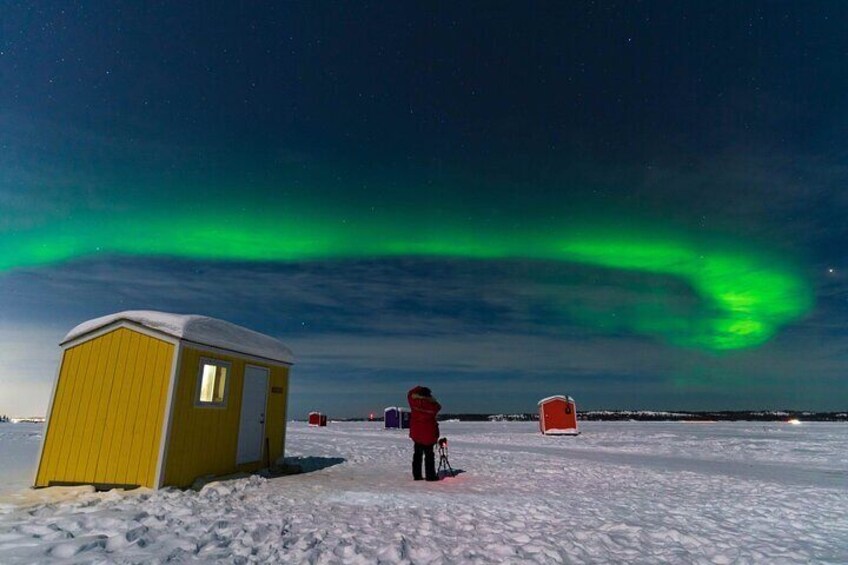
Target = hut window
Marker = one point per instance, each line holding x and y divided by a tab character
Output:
212	383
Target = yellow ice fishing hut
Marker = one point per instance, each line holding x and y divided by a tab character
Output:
153	399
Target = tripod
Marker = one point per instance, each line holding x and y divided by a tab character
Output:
443	458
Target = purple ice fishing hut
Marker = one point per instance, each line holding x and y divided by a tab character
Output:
391	418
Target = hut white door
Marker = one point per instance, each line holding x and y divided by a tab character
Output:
254	396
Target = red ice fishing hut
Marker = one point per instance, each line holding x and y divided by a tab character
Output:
317	419
558	416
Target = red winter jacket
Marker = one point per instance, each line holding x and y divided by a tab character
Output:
423	427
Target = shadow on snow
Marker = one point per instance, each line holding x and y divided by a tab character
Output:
311	464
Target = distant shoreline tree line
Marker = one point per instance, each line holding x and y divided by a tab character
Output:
668	416
655	416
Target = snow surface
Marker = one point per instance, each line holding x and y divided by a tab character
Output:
561	431
634	492
198	329
555	397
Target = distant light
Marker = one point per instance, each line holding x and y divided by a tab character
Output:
831	270
794	421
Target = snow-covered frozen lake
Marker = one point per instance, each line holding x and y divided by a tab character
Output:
632	492
19	444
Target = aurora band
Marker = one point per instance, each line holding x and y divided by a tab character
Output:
745	295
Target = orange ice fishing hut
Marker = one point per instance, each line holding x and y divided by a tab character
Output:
558	416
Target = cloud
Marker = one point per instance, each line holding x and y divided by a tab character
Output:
394	297
370	328
486	354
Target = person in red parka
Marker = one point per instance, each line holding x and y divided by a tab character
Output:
424	431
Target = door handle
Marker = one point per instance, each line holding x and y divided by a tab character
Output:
262	418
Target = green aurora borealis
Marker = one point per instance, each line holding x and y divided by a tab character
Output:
743	295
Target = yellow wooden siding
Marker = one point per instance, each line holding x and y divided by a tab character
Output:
204	440
106	420
275	423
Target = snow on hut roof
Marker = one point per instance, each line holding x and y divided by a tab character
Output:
555	397
202	330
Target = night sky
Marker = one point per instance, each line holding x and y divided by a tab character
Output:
641	204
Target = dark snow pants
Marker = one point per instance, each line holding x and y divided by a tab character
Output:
426	451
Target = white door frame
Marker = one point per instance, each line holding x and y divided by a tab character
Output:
243	415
